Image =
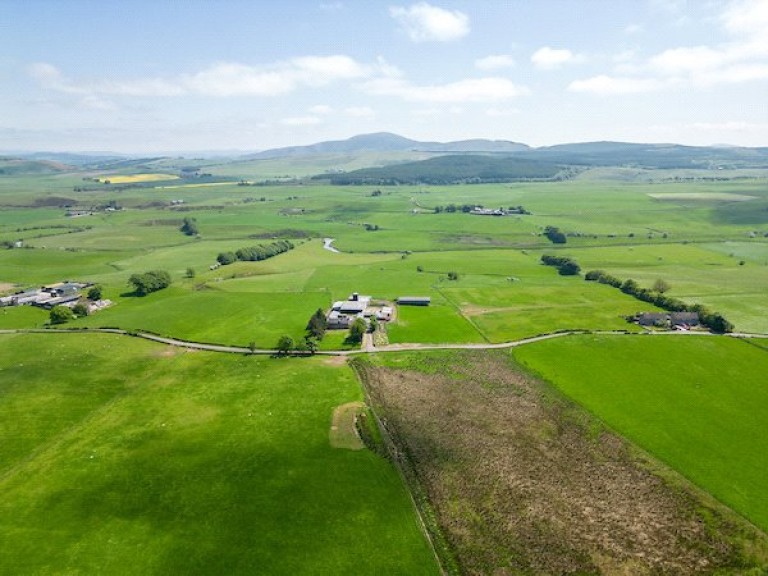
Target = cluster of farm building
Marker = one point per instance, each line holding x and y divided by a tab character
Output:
344	312
59	294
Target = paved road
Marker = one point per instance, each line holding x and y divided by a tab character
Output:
367	346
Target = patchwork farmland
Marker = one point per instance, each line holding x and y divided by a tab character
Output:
227	463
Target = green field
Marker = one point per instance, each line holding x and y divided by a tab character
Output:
241	475
124	456
699	404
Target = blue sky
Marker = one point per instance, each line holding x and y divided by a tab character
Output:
148	76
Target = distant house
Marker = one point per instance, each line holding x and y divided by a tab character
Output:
669	319
684	319
653	319
414	300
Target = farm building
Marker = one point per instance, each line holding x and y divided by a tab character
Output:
667	319
414	300
684	318
47	296
344	312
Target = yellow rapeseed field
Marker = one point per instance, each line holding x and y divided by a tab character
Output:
131	178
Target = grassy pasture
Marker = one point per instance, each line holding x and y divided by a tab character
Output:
698	403
503	292
211	316
121	456
707	273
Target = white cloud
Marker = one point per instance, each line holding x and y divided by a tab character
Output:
301	121
549	58
232	79
607	85
743	59
321	109
679	61
495	62
502	112
359	112
746	17
222	79
492	89
424	22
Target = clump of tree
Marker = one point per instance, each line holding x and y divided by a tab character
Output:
189	227
317	325
565	266
555	235
453	275
255	253
712	320
149	282
80	309
225	258
61	314
370	227
356	331
95	293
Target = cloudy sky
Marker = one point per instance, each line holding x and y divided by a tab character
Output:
148	76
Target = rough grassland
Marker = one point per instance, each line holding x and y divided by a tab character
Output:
698	403
124	457
522	481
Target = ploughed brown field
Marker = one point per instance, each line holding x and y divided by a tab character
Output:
520	480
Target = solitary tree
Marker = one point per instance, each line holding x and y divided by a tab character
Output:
190	273
284	345
310	344
189	227
80	309
356	331
61	314
661	286
317	325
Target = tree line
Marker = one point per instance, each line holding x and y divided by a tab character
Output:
565	266
712	320
255	253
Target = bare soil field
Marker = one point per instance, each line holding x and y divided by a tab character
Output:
521	481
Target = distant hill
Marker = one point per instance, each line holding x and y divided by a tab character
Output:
19	166
387	142
451	169
652	155
582	154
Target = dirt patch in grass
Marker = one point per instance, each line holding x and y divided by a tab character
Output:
343	432
522	481
6	287
335	361
471	310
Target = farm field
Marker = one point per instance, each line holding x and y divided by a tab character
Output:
697	403
125	456
706	239
521	480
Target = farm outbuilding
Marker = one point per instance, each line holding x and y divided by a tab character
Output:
414	300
